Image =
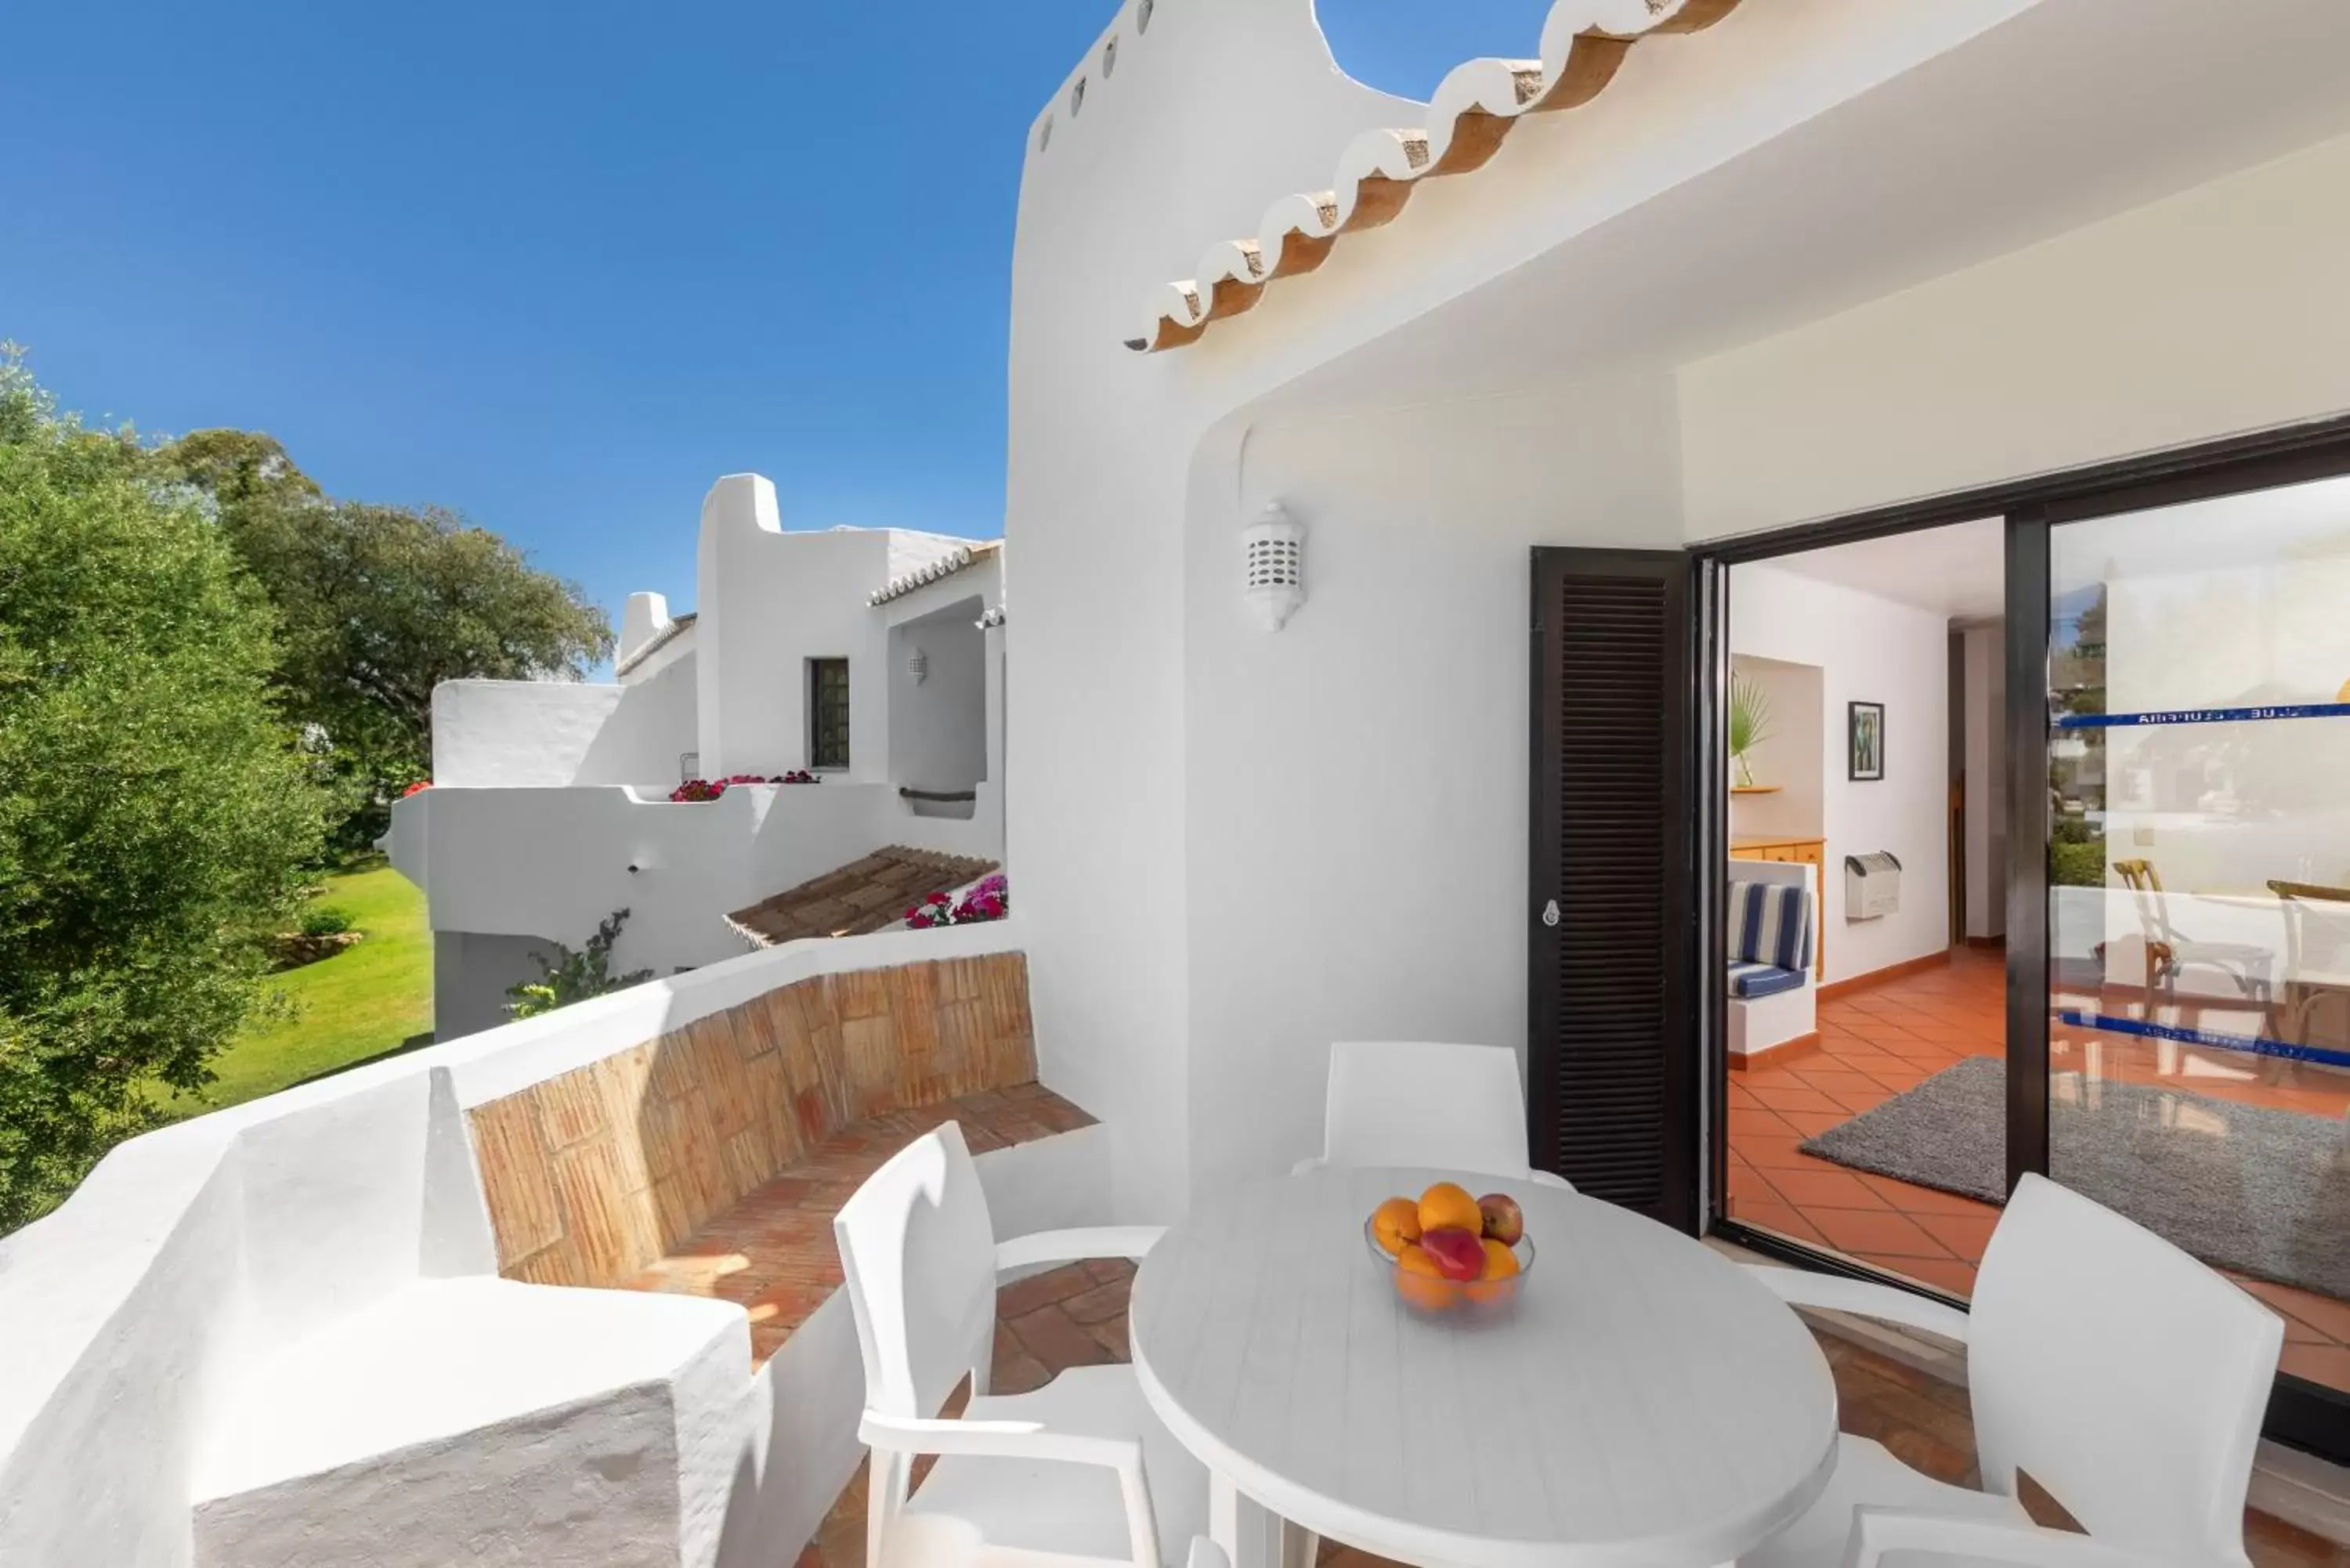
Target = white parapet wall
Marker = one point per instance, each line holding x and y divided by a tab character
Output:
230	1274
549	863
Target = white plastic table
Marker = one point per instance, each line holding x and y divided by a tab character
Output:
1646	1404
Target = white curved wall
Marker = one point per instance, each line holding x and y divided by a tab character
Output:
193	1254
1244	785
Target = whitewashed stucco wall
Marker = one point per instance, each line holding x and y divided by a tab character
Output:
192	1255
1119	464
545	734
1356	784
771	601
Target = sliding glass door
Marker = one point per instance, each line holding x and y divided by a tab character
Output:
2198	953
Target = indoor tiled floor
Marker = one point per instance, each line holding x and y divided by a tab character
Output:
1077	1317
1879	1042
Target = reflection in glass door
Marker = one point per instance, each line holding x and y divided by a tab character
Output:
2198	938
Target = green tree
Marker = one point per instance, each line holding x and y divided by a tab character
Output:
379	605
156	814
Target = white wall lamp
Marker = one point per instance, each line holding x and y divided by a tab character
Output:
918	665
1274	547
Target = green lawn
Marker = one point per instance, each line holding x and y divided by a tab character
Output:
370	998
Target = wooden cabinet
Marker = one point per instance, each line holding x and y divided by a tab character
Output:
1811	852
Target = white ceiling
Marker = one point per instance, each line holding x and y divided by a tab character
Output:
1958	571
2073	111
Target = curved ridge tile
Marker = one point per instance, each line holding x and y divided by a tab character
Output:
1375	176
1231	277
1299	231
1475	105
1584	44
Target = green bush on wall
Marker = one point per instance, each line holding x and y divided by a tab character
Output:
2078	865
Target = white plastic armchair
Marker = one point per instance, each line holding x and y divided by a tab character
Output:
2122	1375
1411	1103
1078	1469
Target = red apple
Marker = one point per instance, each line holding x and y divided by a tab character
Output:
1504	1221
1460	1254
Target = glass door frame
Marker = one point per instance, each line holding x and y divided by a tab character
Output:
2302	1413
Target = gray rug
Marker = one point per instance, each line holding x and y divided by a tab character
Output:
2265	1192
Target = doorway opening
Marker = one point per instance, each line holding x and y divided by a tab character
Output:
2142	882
1864	725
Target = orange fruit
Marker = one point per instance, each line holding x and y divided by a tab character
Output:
1396	1224
1448	1206
1500	1266
1420	1281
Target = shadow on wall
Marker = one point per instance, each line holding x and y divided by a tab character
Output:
1405	46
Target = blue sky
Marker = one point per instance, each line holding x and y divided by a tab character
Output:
559	266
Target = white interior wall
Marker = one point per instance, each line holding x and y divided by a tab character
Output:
1869	649
1791	758
2213	311
1357	781
1985	722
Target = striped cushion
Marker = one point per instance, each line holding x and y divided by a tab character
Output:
1761	979
1770	923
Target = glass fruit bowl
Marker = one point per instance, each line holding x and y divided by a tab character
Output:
1425	1290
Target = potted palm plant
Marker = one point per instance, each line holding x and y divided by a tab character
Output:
1749	726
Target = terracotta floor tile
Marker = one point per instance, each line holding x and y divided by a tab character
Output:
1756	1123
1812	1124
1748	1185
1783	1096
1777	1151
1874	1233
1778	1219
2329	1364
1944	1273
1966	1235
1912	1199
1831	1189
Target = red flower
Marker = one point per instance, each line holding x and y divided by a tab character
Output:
412	789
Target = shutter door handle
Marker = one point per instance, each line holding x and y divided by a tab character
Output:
1550	913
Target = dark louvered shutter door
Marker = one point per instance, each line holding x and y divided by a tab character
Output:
1611	1063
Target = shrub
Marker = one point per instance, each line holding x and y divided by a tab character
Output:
324	920
572	976
2078	865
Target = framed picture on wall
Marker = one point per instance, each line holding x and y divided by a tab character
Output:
1865	739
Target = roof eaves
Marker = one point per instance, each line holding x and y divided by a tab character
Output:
676	628
960	558
1584	44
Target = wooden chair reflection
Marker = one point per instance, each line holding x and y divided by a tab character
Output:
2249	966
2316	959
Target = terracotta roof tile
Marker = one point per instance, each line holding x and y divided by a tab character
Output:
868	895
1584	44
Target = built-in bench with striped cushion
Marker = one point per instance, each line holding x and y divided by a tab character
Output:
1753	980
1769	936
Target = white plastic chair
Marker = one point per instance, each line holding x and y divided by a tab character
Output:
2121	1374
1080	1468
1452	1107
